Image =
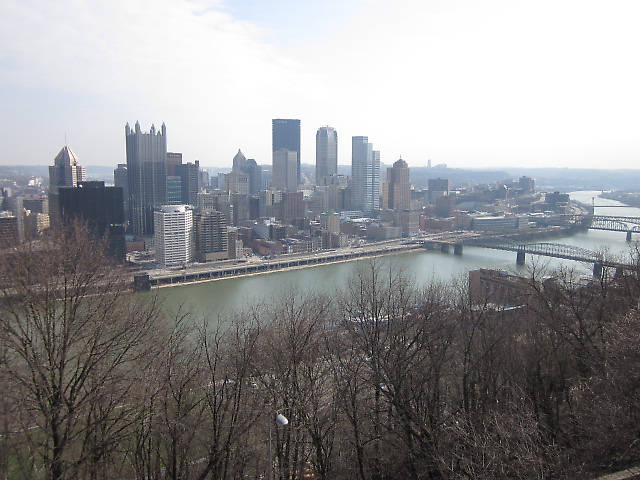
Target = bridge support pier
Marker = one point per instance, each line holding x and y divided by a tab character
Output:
444	248
429	245
520	256
597	270
619	272
629	236
457	249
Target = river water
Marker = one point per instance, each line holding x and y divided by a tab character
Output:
222	296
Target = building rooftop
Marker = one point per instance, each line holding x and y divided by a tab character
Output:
400	163
174	208
66	156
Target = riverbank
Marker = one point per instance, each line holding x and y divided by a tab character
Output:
628	198
146	282
291	268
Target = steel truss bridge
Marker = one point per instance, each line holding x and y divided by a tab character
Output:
547	249
615	223
556	250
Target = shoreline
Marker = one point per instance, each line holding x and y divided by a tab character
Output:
291	268
250	270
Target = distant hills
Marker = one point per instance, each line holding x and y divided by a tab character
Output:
562	179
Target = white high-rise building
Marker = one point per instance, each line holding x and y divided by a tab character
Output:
326	154
174	235
365	175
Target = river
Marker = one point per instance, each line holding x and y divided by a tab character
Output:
219	297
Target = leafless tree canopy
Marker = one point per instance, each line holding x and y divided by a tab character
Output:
384	381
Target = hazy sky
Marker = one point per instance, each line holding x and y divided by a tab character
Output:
470	83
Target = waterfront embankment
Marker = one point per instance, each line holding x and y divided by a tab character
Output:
286	262
256	266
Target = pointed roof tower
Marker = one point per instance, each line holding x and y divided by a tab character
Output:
400	163
65	157
239	162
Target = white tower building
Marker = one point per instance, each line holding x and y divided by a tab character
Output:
365	175
174	236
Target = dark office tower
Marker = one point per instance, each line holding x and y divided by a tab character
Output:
8	230
527	184
36	204
121	179
438	187
65	172
147	172
326	154
255	176
285	134
365	175
101	207
240	204
189	174
211	235
174	190
173	160
398	186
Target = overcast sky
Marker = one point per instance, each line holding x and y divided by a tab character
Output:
470	83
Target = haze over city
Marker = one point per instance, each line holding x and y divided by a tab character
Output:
470	84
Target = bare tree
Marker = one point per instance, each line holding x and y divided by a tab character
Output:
231	405
74	338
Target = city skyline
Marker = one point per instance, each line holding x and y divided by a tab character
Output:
497	84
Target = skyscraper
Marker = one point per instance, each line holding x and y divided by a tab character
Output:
284	170
174	159
326	154
189	174
174	190
101	207
211	235
285	134
65	172
375	179
147	172
399	186
9	236
239	162
174	235
121	179
365	175
237	181
255	176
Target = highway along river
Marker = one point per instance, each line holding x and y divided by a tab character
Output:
218	297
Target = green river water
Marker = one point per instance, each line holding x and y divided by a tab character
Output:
221	296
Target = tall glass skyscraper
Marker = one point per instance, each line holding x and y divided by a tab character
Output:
147	172
365	175
326	154
285	134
